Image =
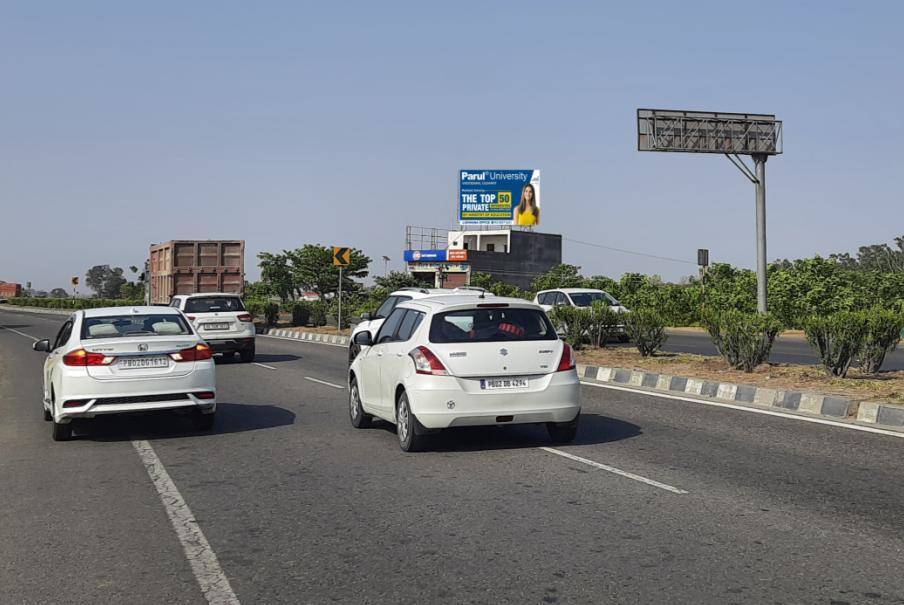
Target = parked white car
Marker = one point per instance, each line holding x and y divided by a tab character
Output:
221	320
448	361
118	360
581	297
371	322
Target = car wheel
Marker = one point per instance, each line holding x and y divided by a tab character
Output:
360	419
247	355
204	422
411	437
47	415
353	350
563	432
61	432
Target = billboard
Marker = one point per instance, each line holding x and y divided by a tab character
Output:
708	132
499	197
425	256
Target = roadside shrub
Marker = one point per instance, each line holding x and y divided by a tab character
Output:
73	303
883	329
263	308
318	313
575	322
838	338
301	313
604	322
646	328
743	339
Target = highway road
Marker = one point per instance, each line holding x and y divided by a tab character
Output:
660	501
786	349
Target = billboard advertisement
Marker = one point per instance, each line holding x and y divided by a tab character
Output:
426	256
499	197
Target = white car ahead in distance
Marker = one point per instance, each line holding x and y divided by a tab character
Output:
118	360
221	320
372	321
447	361
581	297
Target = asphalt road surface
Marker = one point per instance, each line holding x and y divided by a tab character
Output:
661	501
786	349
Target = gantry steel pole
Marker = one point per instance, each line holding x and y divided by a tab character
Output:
761	288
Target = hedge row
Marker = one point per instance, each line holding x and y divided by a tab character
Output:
71	303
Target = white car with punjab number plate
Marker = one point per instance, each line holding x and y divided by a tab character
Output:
221	320
448	361
119	360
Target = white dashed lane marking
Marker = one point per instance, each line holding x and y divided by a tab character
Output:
204	563
616	471
329	384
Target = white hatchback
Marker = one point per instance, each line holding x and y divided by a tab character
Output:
221	320
448	361
118	360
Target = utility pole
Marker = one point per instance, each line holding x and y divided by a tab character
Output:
759	161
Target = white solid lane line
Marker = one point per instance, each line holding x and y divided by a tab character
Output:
329	384
743	408
204	563
20	333
263	365
612	469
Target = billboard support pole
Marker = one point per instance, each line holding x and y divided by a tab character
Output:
761	289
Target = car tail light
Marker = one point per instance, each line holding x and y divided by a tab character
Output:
245	317
81	357
425	362
567	362
205	395
75	403
199	352
191	317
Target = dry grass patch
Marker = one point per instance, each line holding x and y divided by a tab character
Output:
886	386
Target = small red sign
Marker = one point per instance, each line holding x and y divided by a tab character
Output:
456	255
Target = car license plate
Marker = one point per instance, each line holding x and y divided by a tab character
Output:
216	326
490	384
140	363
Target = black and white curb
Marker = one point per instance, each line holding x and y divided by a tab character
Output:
817	404
327	339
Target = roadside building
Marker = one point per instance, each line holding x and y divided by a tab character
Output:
446	259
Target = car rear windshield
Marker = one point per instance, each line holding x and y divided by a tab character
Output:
120	326
491	325
214	304
585	299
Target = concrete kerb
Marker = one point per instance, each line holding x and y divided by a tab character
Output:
41	310
335	340
834	407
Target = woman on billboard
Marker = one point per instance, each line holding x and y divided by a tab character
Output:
527	212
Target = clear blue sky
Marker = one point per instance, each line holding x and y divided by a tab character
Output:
283	123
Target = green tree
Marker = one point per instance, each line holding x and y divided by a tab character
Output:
396	280
59	293
312	269
560	276
276	275
132	291
106	281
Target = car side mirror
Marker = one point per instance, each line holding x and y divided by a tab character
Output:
41	345
366	316
364	339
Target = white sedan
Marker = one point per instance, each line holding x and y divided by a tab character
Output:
449	361
118	360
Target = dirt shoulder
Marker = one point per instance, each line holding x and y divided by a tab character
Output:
886	386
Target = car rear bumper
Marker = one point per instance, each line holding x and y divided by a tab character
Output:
230	345
129	396
441	402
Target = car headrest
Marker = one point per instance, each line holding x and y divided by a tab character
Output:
166	327
100	330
